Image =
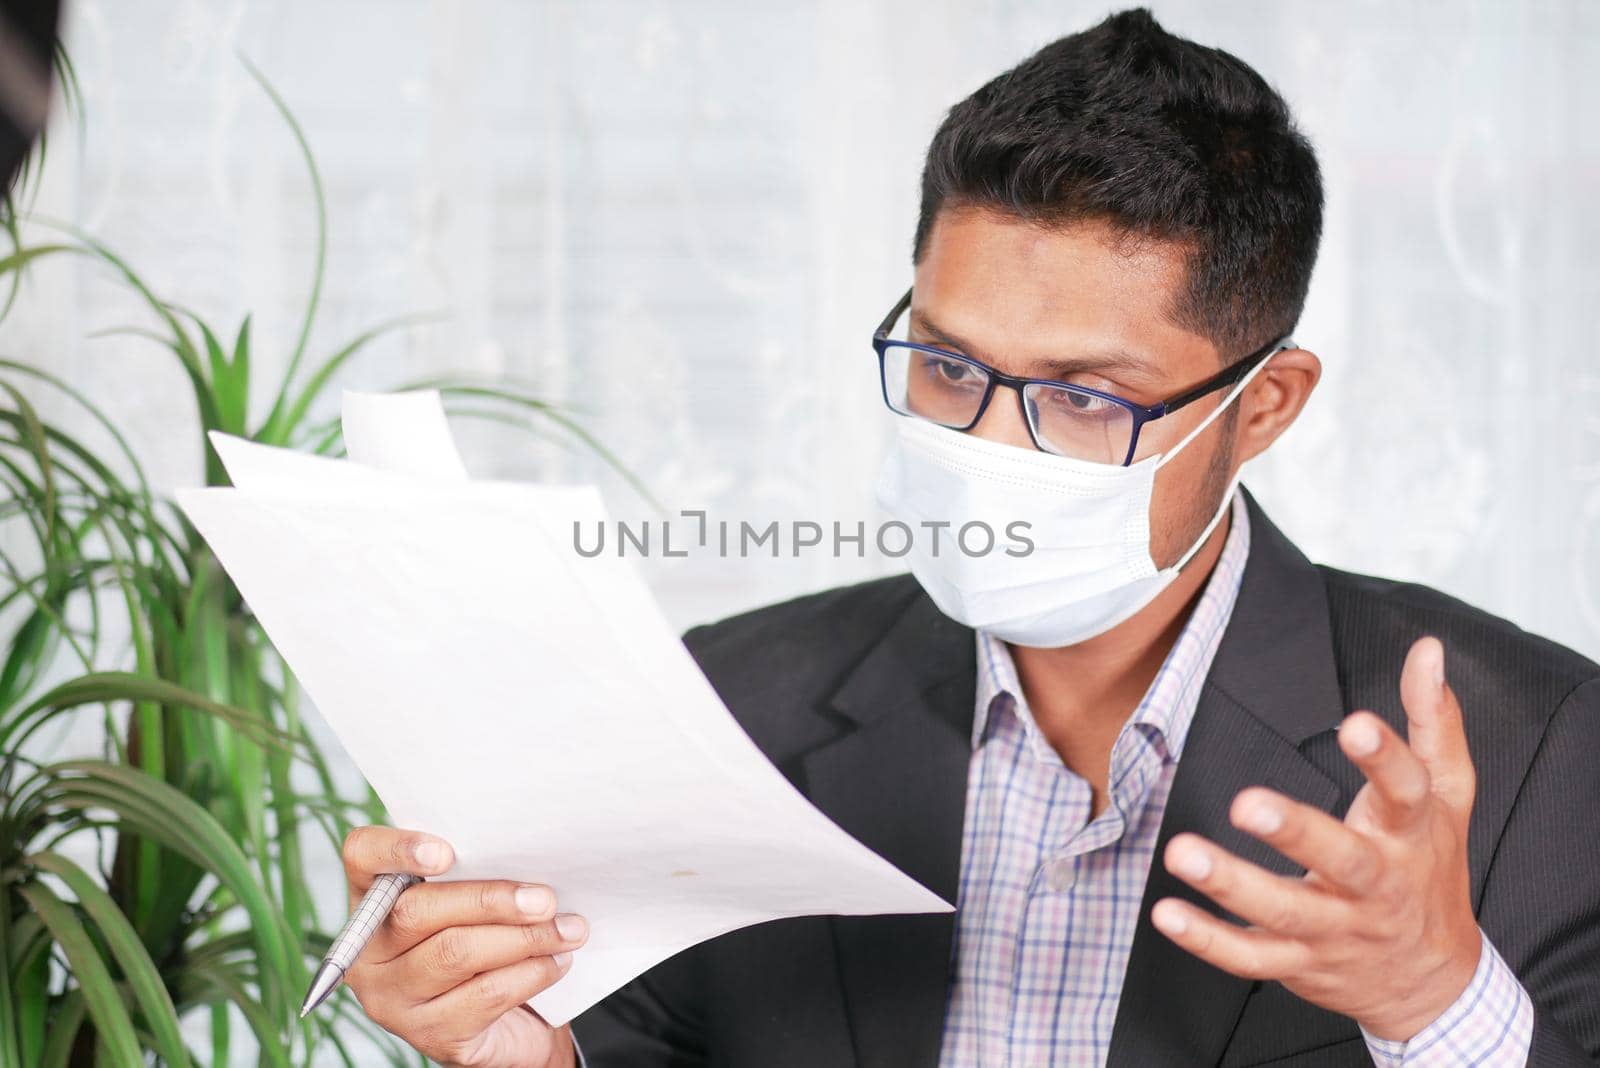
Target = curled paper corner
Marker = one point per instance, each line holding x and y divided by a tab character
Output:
404	432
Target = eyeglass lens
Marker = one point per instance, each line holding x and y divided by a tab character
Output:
949	391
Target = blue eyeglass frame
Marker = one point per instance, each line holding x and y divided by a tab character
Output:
1141	413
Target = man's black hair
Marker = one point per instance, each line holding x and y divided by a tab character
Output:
1128	125
27	42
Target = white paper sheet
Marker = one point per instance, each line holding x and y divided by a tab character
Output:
532	706
402	432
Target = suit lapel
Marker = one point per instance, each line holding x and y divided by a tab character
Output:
1272	686
1175	1008
896	780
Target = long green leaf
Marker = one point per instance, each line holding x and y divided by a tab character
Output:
37	444
163	812
223	981
95	412
33	999
241	375
24	256
102	686
8	223
63	1032
111	1020
220	1028
160	1017
11	1007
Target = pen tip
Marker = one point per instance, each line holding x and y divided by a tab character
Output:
327	977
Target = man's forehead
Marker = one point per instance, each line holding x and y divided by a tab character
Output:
1025	296
970	236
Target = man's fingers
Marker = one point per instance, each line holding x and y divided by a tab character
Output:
425	909
467	1010
1434	726
1281	905
1340	855
1247	952
371	851
1399	778
457	954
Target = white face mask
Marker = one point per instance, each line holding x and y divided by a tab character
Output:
1090	566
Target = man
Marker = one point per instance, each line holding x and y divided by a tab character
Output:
1198	801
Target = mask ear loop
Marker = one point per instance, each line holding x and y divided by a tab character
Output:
1233	484
1222	510
1229	398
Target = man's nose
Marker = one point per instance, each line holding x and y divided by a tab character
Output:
1003	421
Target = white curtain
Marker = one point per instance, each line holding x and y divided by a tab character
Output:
685	218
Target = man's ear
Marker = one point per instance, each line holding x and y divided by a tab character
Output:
1274	398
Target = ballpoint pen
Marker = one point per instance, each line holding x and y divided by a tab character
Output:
354	935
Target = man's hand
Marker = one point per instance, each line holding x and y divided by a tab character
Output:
450	968
1380	928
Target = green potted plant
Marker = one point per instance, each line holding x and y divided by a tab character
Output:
167	876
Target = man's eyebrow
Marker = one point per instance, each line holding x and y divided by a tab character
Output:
1102	360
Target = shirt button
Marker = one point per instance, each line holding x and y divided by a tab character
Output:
1062	874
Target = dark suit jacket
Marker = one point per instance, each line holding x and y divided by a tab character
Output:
863	696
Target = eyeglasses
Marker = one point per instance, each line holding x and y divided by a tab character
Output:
953	390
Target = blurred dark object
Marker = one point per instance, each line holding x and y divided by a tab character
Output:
27	43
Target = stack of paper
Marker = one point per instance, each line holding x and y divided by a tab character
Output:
530	705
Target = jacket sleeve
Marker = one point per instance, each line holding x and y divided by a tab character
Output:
1541	900
652	1022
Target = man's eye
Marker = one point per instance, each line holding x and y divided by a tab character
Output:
1081	403
952	372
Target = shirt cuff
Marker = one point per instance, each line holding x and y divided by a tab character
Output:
1490	1024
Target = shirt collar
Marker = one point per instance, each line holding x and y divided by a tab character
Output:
1168	706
